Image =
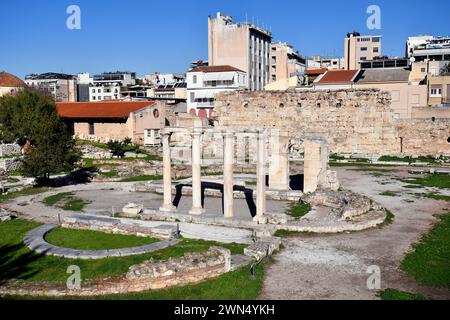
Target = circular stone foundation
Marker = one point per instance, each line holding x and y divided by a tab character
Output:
35	241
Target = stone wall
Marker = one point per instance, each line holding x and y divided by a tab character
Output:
149	275
9	149
351	121
9	164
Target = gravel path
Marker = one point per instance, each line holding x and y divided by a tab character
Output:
334	266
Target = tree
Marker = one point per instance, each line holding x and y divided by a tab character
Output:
30	118
445	70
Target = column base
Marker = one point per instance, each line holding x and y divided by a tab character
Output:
197	211
260	219
168	208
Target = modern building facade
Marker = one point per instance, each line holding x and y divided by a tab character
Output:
61	87
243	46
439	90
109	85
203	83
285	62
10	84
359	49
420	48
319	62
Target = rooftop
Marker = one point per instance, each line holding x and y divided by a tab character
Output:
207	69
9	80
315	72
338	76
49	75
383	75
100	110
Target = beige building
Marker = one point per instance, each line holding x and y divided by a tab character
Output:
61	87
439	90
405	96
285	62
115	120
243	46
359	48
10	84
318	62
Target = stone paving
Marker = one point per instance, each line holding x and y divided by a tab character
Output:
35	241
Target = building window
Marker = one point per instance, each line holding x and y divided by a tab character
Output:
91	128
363	58
194	79
376	39
436	91
376	50
363	48
422	70
192	97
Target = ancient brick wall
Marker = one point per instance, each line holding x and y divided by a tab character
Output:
352	121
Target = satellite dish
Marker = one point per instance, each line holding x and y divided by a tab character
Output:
412	59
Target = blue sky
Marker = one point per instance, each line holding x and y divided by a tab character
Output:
156	35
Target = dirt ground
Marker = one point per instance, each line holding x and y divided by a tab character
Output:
335	266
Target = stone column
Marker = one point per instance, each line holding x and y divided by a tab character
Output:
316	164
279	161
261	176
228	159
167	174
197	208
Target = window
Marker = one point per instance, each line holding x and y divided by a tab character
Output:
91	128
436	91
192	97
363	48
363	58
376	50
376	39
194	79
99	90
423	70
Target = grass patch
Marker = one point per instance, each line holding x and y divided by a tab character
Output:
298	210
389	194
250	183
94	240
287	233
25	192
110	174
142	178
66	201
441	181
435	196
19	262
412	186
429	262
394	294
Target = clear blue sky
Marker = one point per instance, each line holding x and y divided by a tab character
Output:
166	35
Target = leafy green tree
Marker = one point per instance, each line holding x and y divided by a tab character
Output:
30	118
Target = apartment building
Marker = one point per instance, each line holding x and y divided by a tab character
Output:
109	85
439	90
240	45
61	87
420	48
203	83
358	48
285	62
319	62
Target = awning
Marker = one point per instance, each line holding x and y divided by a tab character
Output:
222	76
203	95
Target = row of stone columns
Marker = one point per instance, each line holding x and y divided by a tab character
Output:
228	183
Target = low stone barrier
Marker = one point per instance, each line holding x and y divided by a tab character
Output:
149	275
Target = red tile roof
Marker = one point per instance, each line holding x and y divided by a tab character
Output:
214	69
338	76
9	80
99	110
315	72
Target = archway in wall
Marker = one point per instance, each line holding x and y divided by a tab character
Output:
193	112
202	113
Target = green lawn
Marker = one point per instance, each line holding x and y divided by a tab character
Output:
433	195
429	262
441	181
141	178
66	201
18	262
77	239
394	294
389	194
298	210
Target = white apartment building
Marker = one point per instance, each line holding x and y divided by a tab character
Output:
108	85
61	87
421	48
203	83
